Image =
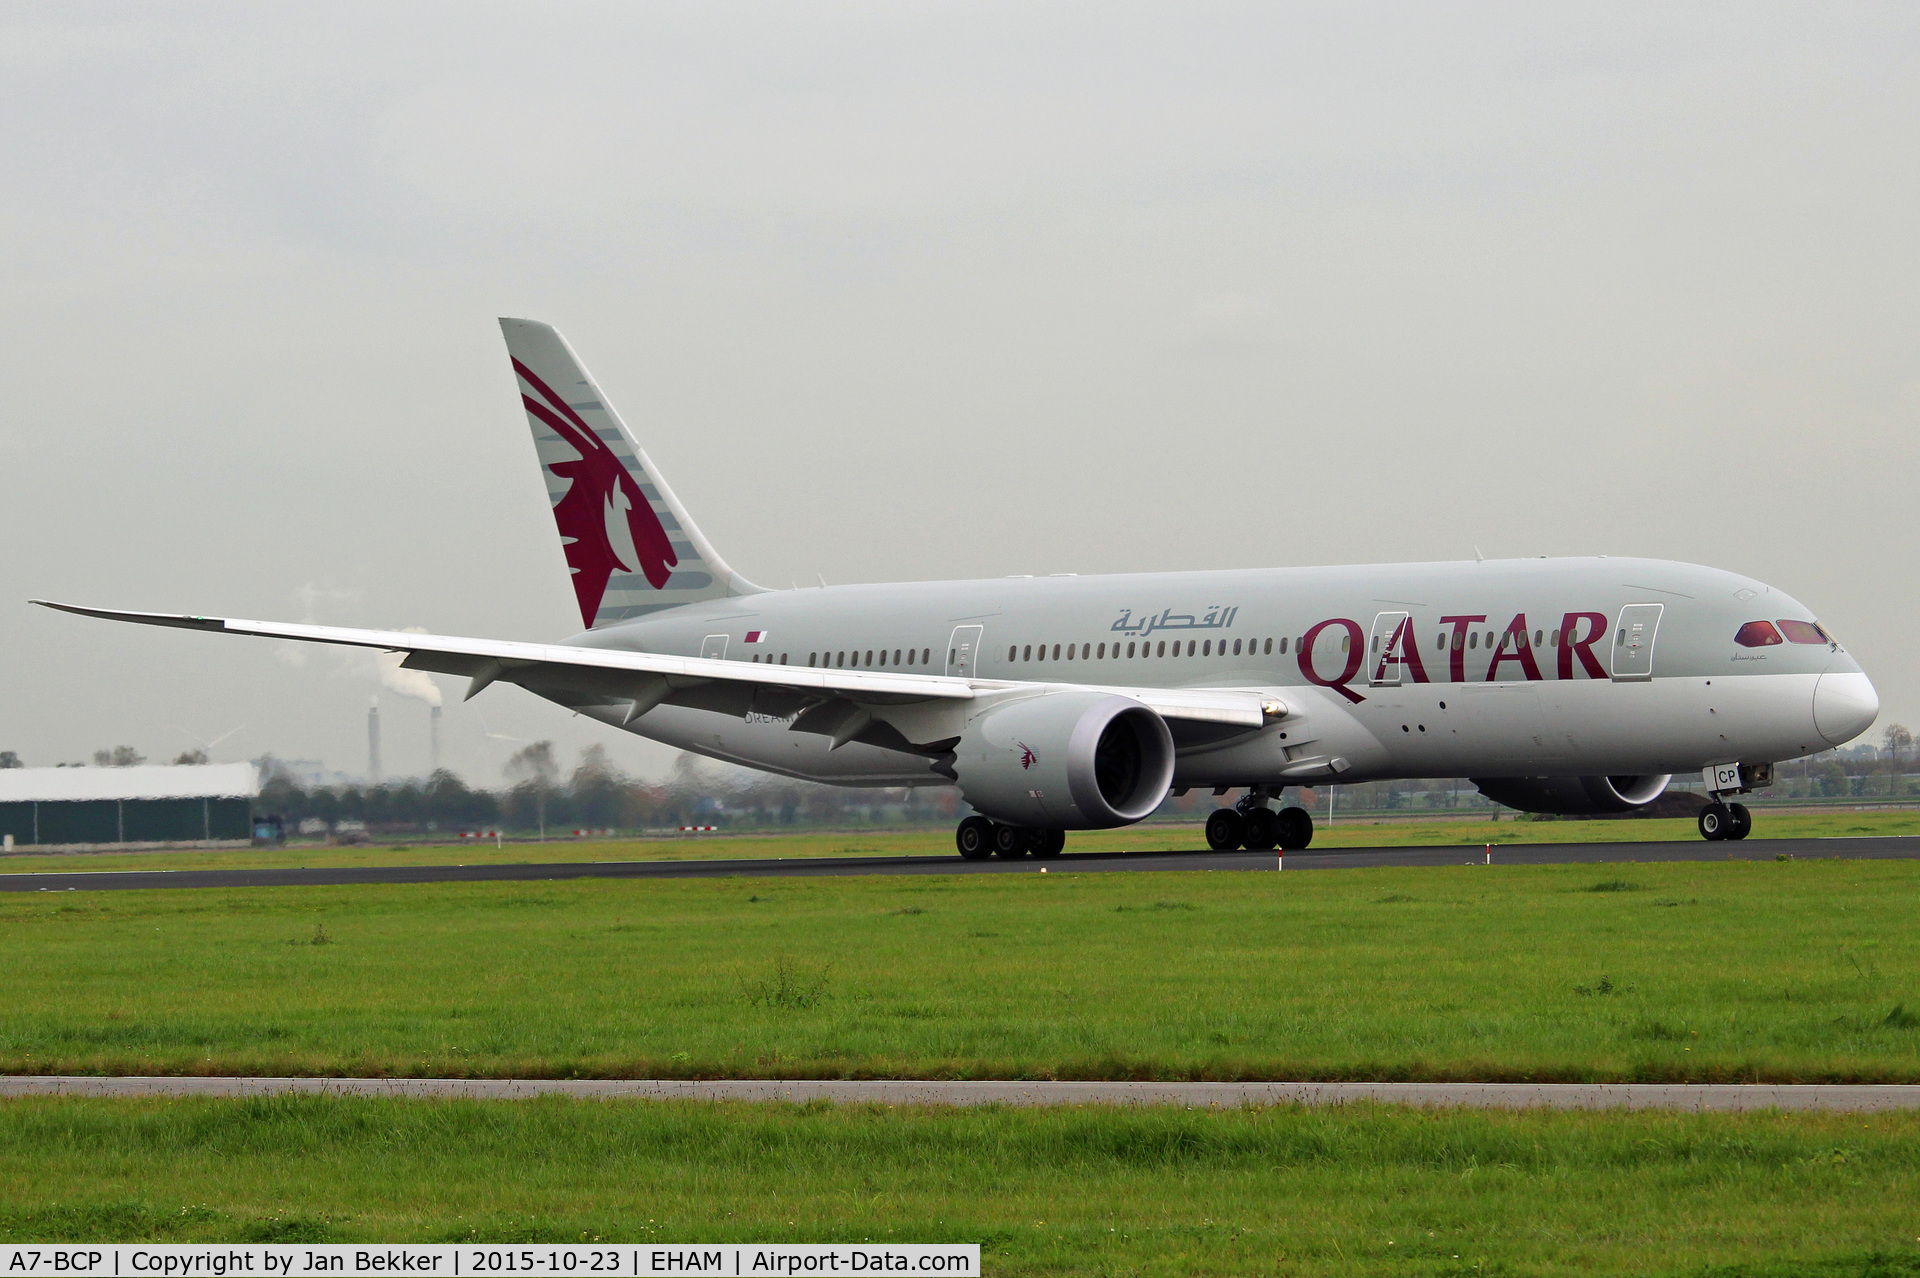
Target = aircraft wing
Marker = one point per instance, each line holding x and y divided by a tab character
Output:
642	680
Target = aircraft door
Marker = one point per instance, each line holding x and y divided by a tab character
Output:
1633	641
714	646
963	651
1384	661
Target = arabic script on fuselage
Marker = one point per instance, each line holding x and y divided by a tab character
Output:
1215	618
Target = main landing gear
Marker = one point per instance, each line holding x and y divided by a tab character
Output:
1725	821
978	838
1252	825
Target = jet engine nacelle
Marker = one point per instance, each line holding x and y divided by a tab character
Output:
1574	796
1066	761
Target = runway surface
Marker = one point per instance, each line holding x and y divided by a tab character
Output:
1071	863
1668	1096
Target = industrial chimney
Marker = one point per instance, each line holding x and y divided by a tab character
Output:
433	739
373	742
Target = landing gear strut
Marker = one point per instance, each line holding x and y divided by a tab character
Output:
1251	824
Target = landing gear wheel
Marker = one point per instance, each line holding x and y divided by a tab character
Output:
1263	830
1295	828
1049	843
1715	820
1010	842
974	838
1740	821
1225	830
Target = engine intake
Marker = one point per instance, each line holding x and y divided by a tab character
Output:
1066	761
1574	796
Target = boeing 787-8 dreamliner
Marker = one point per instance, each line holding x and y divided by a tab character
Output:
1074	703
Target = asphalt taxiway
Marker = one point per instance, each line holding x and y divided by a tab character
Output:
1892	848
1669	1096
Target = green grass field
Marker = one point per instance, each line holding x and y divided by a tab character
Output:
1802	970
1360	1190
1344	833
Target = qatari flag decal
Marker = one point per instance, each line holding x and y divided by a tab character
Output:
756	636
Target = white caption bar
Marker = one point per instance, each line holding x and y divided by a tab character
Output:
298	1260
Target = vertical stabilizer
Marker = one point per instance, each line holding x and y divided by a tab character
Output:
630	545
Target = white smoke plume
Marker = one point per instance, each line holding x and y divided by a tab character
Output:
417	684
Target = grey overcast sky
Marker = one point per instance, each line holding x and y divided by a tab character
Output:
923	290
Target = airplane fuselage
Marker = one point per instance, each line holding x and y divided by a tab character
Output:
1536	667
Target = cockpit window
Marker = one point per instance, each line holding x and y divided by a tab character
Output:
1804	632
1757	634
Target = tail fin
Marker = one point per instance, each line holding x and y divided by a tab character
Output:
630	545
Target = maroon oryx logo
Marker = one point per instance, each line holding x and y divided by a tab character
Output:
605	521
1027	757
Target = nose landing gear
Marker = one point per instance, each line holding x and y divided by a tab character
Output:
1725	821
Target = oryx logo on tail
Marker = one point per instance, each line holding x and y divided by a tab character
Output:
606	523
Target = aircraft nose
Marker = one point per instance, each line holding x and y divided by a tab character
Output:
1844	705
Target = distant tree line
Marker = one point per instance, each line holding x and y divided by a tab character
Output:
597	795
594	795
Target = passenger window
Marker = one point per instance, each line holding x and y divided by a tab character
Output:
1536	638
1056	652
1269	651
1236	647
1620	640
839	659
1283	646
883	656
1442	645
1102	653
1206	649
910	656
926	656
869	656
1553	638
783	658
1473	640
1026	654
1804	632
1042	655
809	659
1757	634
1013	651
1129	649
1070	653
